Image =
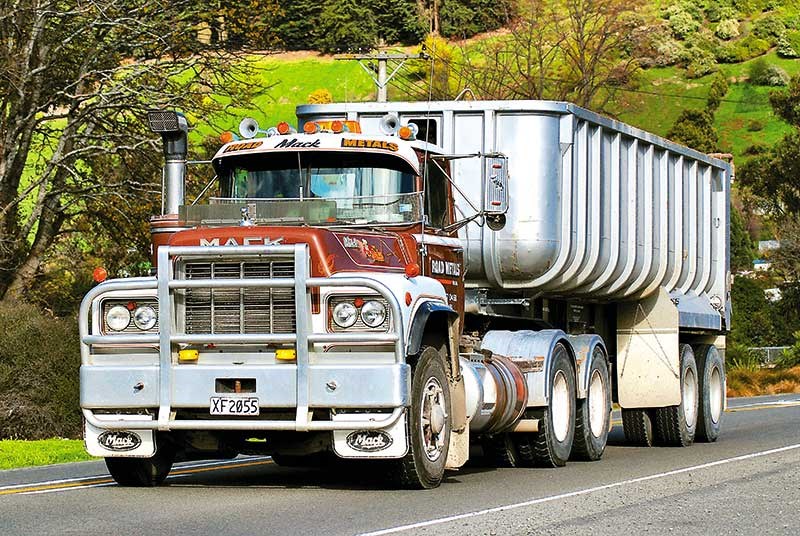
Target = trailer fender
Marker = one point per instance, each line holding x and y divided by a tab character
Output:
584	347
534	347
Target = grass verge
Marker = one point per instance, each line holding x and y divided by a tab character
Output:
763	382
14	453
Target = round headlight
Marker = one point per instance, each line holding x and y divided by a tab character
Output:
144	317
118	318
345	314
373	313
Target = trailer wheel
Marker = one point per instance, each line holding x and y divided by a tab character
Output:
552	444
638	426
428	424
594	412
711	373
142	472
676	425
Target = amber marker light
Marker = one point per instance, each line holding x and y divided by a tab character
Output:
337	126
311	128
99	274
226	137
405	133
284	128
358	302
408	298
412	270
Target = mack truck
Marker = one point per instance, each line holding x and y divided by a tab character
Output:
403	284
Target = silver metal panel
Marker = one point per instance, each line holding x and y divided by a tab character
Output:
114	386
598	209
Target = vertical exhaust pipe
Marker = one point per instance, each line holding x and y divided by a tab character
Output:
173	129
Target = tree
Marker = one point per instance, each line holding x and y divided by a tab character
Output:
742	252
695	129
75	80
564	50
347	25
773	174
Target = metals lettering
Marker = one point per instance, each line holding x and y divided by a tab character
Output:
370	144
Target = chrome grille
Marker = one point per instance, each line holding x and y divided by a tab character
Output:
245	310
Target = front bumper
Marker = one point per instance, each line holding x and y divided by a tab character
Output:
167	387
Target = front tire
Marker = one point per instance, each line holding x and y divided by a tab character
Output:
711	373
428	424
142	472
594	412
675	426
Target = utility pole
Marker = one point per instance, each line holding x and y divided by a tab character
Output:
381	80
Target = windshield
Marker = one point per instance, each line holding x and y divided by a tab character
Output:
316	187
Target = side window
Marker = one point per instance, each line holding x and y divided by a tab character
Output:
436	212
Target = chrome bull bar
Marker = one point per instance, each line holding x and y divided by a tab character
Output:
164	283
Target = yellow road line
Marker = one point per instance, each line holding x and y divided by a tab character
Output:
99	481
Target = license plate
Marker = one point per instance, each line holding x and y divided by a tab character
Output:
234	405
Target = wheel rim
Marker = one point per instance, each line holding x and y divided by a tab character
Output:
715	394
597	403
690	397
433	417
560	406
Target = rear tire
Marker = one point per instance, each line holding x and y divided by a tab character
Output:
593	413
552	444
501	451
711	373
428	425
638	426
675	426
142	472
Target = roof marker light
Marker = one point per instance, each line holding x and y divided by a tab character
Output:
285	128
311	128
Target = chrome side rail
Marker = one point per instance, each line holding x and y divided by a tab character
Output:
164	284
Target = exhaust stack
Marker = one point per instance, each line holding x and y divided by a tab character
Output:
173	129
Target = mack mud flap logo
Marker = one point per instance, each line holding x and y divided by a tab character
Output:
119	441
369	440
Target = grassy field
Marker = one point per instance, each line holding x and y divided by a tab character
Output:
45	452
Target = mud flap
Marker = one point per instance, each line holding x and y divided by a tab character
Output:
119	443
388	442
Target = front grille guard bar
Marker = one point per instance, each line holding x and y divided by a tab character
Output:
164	283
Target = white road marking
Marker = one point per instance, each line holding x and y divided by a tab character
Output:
791	402
78	480
448	519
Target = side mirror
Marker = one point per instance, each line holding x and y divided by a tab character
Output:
495	190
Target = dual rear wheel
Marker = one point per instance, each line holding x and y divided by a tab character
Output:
699	414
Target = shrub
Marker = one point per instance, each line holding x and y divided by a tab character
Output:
682	24
754	125
756	149
717	11
727	29
789	44
701	63
769	28
39	364
791	356
320	96
738	357
762	73
717	91
744	49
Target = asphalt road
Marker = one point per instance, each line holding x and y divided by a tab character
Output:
746	483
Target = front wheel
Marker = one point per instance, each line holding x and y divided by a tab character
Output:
142	472
428	424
